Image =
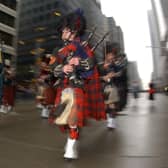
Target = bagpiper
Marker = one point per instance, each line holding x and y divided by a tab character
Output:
110	70
79	93
46	92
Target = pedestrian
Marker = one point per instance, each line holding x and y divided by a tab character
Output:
135	89
9	87
151	91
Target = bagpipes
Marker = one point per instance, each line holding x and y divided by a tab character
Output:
63	110
85	64
74	78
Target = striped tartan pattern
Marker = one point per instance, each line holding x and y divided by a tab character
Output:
96	106
88	102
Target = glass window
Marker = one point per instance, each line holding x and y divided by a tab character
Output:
7	19
7	38
9	3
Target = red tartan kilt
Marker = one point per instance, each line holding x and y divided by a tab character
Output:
8	95
96	106
88	102
49	94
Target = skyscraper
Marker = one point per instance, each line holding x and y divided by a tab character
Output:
7	28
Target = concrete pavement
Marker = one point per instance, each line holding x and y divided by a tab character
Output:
140	140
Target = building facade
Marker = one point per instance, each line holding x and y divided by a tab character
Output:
133	74
158	23
116	34
7	28
164	41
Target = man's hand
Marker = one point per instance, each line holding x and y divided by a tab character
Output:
74	61
106	78
68	68
111	74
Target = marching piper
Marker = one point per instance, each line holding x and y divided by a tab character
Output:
46	91
78	86
110	71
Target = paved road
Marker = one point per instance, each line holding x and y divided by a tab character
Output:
140	140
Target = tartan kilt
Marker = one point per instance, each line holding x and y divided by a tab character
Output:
88	102
49	95
94	95
8	95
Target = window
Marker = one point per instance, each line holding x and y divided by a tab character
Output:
7	38
7	19
10	4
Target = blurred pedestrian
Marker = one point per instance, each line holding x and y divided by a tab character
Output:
109	73
135	89
9	87
151	91
121	80
46	91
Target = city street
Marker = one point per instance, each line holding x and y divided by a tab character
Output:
139	141
78	48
